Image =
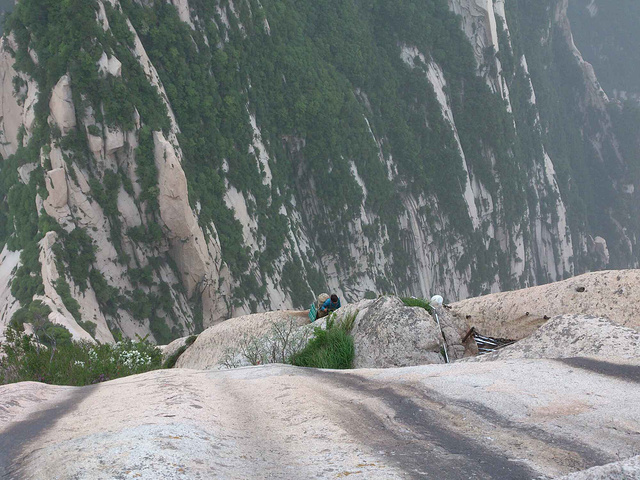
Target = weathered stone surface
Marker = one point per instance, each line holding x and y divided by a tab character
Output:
173	347
8	304
613	294
10	112
568	336
29	113
96	142
109	65
183	11
602	250
56	158
212	345
56	181
450	333
199	260
390	334
101	16
61	105
114	140
517	419
628	469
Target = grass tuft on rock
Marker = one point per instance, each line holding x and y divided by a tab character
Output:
417	302
332	348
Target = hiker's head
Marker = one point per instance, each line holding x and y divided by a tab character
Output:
334	298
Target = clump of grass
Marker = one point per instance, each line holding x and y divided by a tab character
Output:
61	361
418	302
332	348
170	362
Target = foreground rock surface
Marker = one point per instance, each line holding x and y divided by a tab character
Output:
514	419
613	294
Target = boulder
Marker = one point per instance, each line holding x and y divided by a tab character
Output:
61	105
114	140
56	157
109	65
613	294
225	340
568	336
56	181
173	347
390	334
56	203
451	335
601	249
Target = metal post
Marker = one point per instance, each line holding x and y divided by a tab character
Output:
444	340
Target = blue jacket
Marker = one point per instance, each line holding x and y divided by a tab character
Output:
329	305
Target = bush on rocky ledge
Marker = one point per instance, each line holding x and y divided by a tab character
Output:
332	347
23	358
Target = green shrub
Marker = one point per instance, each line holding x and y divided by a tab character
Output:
28	279
108	297
70	303
33	313
160	330
331	348
417	302
94	130
73	363
89	327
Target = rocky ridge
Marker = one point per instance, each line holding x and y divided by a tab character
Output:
609	294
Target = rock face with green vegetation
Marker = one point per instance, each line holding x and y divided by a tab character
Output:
167	165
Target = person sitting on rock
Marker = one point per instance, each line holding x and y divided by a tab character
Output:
330	305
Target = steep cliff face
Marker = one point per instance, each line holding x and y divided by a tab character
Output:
181	162
606	34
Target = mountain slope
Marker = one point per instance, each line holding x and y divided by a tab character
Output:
172	164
